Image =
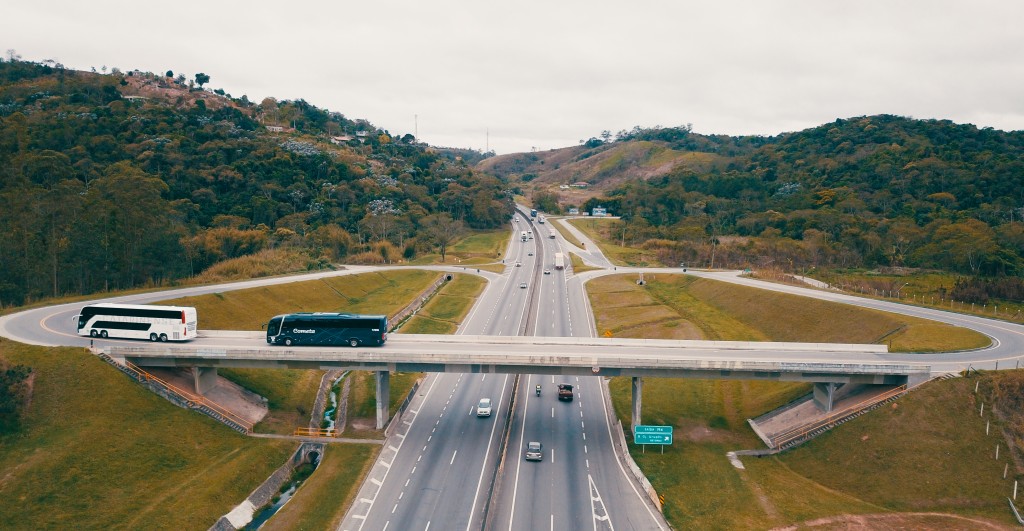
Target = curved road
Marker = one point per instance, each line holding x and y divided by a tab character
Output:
443	465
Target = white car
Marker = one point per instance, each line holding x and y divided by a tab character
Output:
483	409
522	285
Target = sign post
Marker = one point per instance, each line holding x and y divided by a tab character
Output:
660	435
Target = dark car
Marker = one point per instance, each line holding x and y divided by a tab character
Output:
534	451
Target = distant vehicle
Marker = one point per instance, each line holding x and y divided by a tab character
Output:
540	219
518	264
552	236
522	285
522	235
529	253
559	261
483	409
138	321
534	451
533	213
516	220
547	271
327	329
565	392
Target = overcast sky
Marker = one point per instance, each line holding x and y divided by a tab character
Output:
547	74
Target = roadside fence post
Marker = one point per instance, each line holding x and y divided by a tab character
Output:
987	422
1006	469
997	451
982	412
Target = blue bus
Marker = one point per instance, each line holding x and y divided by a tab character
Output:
327	329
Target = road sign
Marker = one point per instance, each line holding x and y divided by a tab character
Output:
652	435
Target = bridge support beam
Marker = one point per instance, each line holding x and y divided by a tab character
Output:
638	387
825	394
383	397
205	379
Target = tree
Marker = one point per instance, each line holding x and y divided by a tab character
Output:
442	230
170	73
202	79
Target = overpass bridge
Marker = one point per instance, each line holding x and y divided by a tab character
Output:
827	365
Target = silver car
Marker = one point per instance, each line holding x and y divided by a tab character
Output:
534	451
483	409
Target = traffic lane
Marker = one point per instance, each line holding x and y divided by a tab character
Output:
554	493
442	471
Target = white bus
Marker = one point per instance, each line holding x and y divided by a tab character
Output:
138	321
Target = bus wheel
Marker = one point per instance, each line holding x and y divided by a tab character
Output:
353	342
103	334
152	337
93	333
163	338
287	341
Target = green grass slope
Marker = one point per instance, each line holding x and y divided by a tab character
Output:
98	451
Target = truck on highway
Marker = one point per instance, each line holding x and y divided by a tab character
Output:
559	261
533	212
540	219
523	235
565	392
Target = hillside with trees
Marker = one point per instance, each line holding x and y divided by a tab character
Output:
875	191
125	179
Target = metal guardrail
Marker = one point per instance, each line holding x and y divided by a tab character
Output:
314	432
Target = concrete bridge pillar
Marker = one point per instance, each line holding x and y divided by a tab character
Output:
383	397
824	395
205	379
638	386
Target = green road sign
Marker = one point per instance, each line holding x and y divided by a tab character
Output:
652	435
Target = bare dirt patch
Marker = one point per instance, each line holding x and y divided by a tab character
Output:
897	521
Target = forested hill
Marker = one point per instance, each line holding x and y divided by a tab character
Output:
868	191
118	180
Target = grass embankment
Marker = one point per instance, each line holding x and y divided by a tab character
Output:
702	489
930	289
98	451
291	393
479	249
559	225
604	232
445	310
323	499
577	264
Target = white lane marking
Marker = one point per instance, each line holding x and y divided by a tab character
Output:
519	462
453	458
395	508
552	412
552	456
401	494
386	524
584	436
480	481
597	507
585	449
622	469
407	481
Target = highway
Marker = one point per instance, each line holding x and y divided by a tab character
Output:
443	466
